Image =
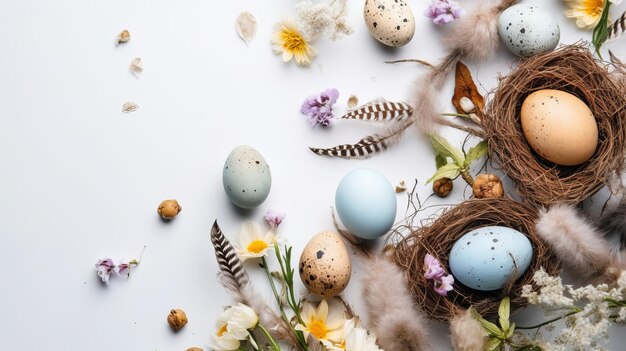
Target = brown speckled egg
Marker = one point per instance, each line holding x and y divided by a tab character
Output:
559	127
325	266
391	22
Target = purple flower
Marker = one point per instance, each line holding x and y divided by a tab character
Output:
432	268
104	268
123	268
443	11
444	284
319	109
273	218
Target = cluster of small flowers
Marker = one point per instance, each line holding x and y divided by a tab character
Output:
317	19
318	109
587	328
433	270
233	326
443	11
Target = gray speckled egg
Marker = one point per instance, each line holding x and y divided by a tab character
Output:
325	266
247	178
391	22
528	30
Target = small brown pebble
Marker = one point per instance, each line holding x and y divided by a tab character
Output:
168	209
442	186
177	319
123	37
194	349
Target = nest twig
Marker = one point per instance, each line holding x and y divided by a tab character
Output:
571	68
438	237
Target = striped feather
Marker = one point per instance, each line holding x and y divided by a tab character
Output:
381	112
236	280
618	27
365	147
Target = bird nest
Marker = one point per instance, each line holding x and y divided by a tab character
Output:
439	235
573	69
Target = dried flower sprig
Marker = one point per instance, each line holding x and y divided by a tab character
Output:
443	11
105	267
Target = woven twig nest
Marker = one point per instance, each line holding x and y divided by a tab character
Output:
572	69
438	237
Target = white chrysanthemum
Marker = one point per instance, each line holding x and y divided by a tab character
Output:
324	324
360	340
253	243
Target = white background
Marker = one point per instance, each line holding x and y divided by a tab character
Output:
80	180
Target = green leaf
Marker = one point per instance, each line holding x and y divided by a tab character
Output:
493	344
450	171
476	152
601	30
445	149
440	161
510	331
504	312
491	328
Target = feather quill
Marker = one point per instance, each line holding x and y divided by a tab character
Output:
579	245
235	279
392	315
381	112
617	28
365	147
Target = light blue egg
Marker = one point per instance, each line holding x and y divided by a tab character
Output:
366	203
246	177
528	30
485	258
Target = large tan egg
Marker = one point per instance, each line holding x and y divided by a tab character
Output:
325	267
391	22
559	127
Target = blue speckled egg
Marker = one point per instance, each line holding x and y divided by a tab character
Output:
528	30
247	178
485	258
366	203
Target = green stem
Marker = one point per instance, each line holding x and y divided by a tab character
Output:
456	115
280	307
269	337
576	310
291	299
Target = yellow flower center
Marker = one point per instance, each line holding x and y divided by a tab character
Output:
593	7
318	329
257	246
222	330
292	41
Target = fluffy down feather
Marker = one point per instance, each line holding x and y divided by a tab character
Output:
392	315
476	35
466	333
577	243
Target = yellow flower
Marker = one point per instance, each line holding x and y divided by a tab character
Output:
586	12
325	326
253	243
291	43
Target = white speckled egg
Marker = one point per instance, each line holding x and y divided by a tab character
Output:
325	267
485	258
247	178
528	30
391	22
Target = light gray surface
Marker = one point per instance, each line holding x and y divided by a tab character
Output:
81	180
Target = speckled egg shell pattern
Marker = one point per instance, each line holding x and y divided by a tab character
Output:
559	127
528	30
325	267
389	21
485	258
247	178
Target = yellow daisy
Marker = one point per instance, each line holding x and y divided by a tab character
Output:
253	243
586	12
324	325
291	43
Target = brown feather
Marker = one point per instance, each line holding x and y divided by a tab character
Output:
381	112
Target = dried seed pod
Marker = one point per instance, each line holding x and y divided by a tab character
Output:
401	187
177	319
123	37
442	187
168	209
487	185
194	349
129	107
136	66
353	101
